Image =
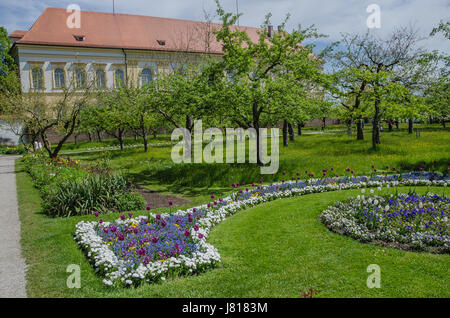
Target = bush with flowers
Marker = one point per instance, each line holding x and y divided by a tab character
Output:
150	248
407	221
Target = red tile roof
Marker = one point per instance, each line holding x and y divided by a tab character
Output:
17	34
107	30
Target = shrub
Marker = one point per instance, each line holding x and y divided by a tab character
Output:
68	189
12	150
102	193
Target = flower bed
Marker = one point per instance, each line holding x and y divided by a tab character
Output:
407	221
68	189
141	257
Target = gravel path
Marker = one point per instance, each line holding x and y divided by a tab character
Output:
12	265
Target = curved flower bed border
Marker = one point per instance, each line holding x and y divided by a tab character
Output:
115	272
407	221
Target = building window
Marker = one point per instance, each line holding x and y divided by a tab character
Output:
177	68
60	79
119	77
146	76
80	78
38	78
100	81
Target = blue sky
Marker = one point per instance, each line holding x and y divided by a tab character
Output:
330	16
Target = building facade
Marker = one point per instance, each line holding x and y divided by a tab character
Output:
107	49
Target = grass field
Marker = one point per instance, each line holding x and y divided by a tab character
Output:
273	250
155	169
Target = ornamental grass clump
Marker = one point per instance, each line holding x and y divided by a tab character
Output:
407	221
68	189
103	193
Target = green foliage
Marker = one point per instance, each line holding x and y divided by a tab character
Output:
6	61
68	189
102	193
11	150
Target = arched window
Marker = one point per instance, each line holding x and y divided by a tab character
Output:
146	76
60	79
120	78
37	78
80	78
100	79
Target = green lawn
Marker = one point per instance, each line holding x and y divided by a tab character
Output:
155	169
273	250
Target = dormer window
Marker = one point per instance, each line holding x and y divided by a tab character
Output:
79	38
161	42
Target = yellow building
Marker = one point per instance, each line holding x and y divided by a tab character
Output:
100	49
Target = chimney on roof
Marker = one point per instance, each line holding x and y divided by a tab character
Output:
269	30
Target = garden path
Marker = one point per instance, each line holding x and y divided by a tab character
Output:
12	265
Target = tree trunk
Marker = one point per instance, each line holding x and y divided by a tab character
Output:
375	126
410	126
89	136
99	136
299	129
75	138
120	138
144	136
443	122
390	125
359	130
396	124
285	133
291	132
324	120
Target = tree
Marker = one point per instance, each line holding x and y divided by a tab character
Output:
374	69
41	114
8	69
264	80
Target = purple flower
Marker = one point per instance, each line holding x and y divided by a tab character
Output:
200	235
170	203
212	196
122	217
158	216
187	233
96	213
196	227
130	215
120	237
147	207
155	239
100	221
